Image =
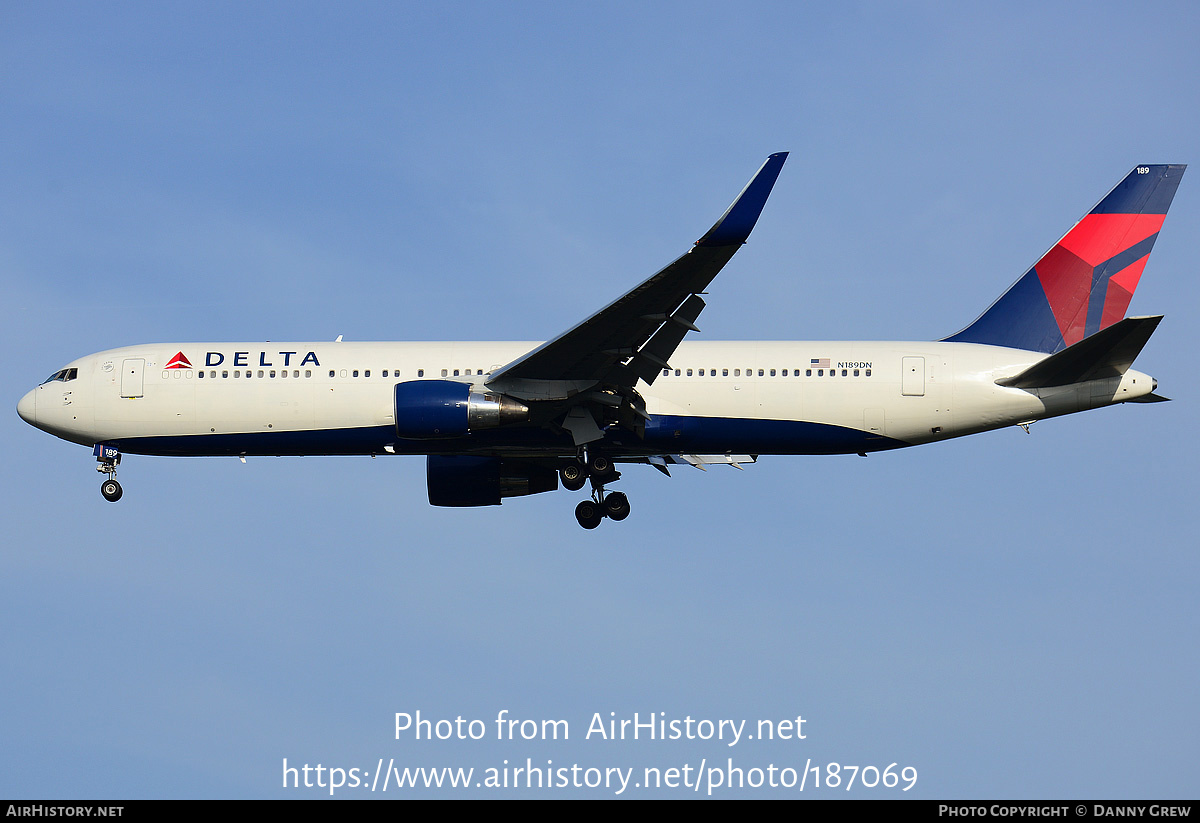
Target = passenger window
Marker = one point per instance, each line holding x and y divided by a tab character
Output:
677	372
772	372
737	372
808	372
420	372
456	372
367	373
760	372
273	372
200	374
724	372
224	373
820	372
856	372
868	372
342	372
307	373
843	372
237	372
444	373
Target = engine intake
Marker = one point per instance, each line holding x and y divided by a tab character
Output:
433	409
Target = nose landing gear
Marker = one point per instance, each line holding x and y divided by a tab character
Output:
111	490
108	457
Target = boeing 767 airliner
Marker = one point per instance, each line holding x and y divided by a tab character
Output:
499	420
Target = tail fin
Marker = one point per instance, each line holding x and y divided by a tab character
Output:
1083	284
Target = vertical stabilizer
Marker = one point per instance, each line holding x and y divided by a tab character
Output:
1085	282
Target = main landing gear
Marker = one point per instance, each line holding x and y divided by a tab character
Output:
108	457
599	469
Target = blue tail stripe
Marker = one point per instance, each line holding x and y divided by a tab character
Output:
1105	270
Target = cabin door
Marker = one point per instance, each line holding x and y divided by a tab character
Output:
131	377
912	378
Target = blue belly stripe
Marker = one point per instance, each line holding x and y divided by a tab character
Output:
665	434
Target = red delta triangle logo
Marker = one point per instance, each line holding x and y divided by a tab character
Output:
179	362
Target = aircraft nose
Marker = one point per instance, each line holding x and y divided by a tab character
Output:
27	407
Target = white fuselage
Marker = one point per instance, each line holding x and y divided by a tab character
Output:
717	397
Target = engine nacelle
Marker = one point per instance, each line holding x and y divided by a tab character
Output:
433	409
484	481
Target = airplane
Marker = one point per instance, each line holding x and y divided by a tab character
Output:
501	420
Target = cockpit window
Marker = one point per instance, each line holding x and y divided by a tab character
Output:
62	375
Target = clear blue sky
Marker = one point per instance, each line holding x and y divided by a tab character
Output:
1012	615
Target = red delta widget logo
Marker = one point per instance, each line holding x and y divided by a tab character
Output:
179	361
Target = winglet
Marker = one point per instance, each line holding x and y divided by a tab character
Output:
738	220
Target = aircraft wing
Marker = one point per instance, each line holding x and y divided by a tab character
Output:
634	336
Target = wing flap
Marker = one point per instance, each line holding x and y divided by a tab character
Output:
656	353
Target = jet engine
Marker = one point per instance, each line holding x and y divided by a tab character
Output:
433	409
484	481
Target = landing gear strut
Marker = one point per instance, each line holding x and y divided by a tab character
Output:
108	458
599	469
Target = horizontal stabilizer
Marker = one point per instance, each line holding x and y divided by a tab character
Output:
1107	353
1150	398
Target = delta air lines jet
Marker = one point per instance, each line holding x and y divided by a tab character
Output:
498	420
